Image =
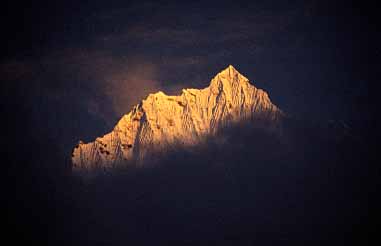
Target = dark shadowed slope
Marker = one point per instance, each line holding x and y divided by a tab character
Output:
245	186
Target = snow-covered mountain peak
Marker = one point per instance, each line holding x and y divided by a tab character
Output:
160	121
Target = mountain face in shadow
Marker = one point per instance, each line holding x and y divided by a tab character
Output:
244	186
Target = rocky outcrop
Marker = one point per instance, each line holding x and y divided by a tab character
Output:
161	121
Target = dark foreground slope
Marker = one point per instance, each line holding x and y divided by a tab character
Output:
311	185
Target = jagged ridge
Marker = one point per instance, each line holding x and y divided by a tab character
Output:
160	121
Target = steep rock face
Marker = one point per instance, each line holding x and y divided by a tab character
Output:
161	121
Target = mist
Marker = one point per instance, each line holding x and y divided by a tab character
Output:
293	187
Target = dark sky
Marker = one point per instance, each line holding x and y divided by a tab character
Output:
70	69
80	65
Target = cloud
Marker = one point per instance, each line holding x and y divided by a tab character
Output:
131	83
88	77
196	25
123	80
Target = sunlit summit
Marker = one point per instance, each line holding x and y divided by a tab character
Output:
161	120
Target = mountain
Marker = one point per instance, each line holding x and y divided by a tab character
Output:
161	122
